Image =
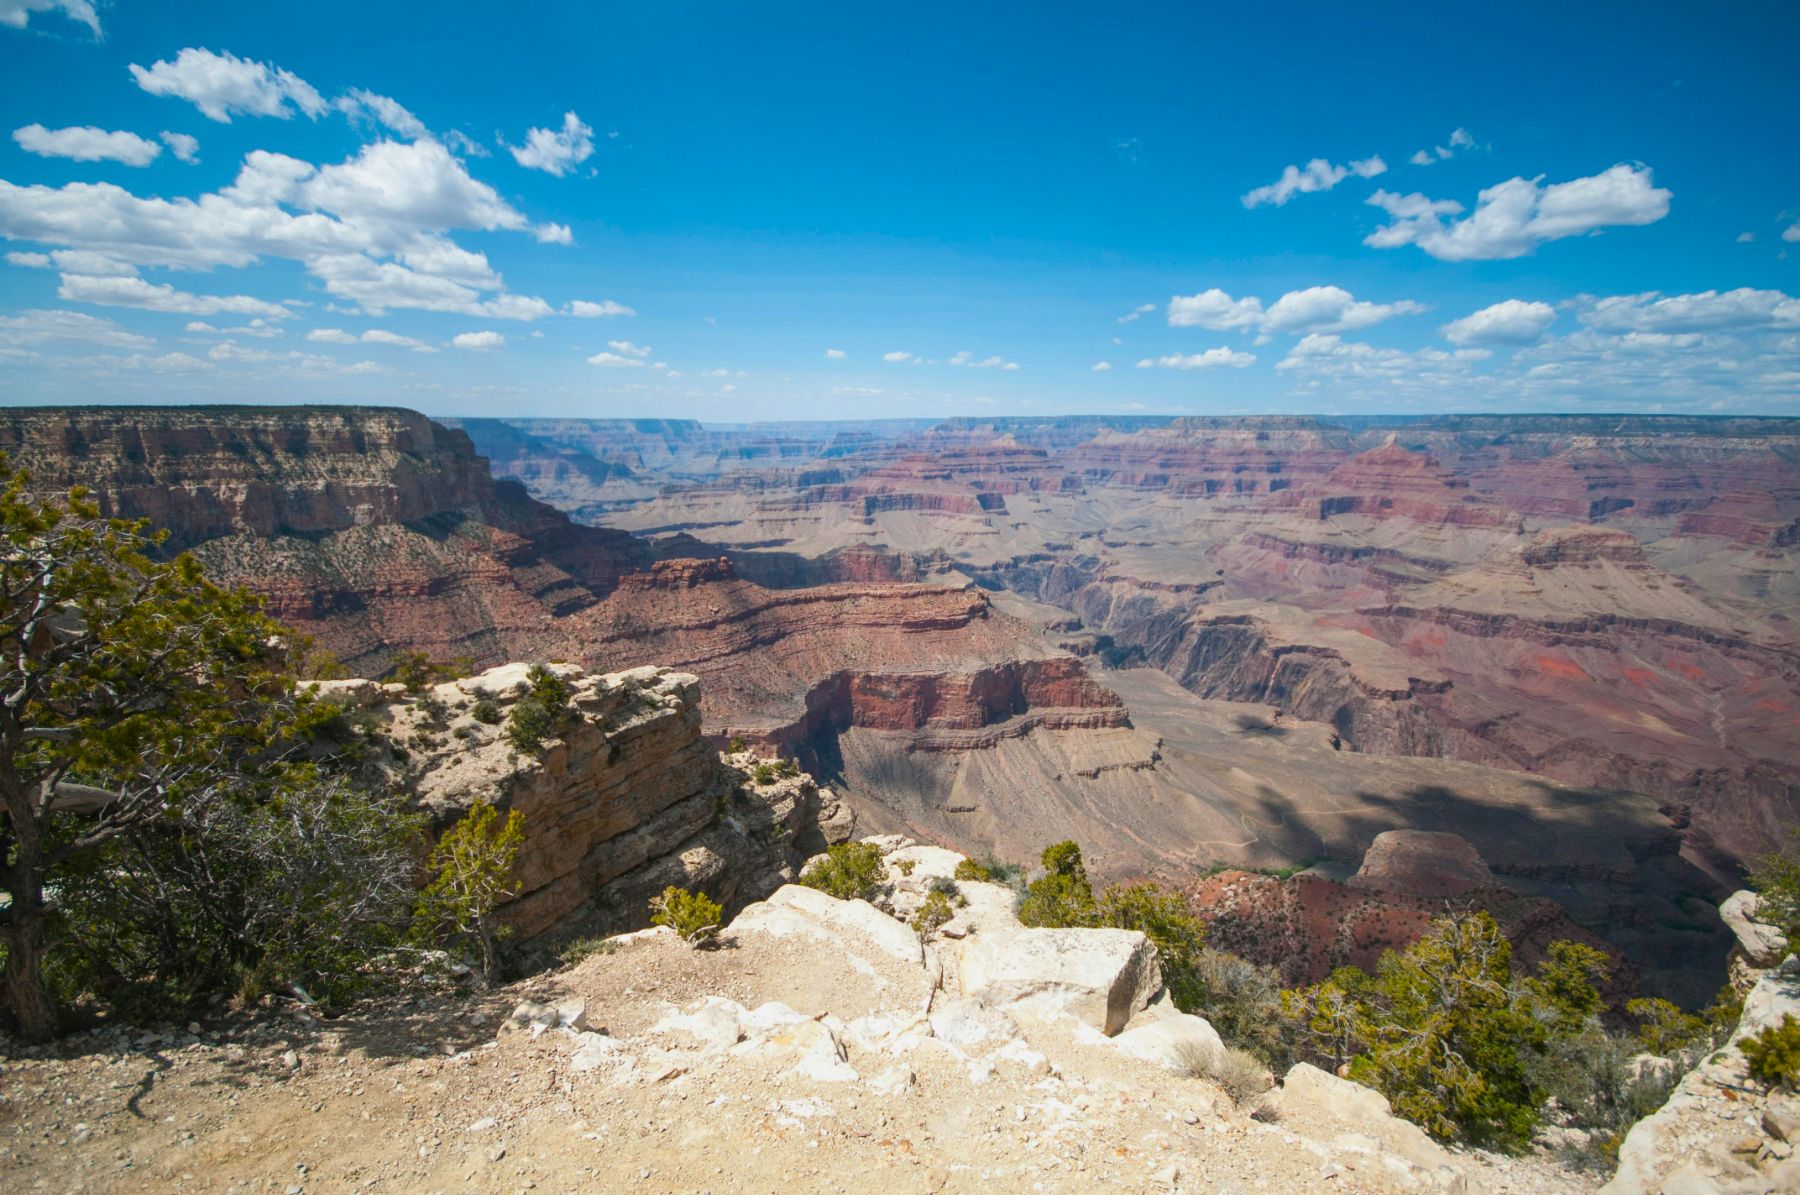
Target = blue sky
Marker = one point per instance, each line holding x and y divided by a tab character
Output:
828	211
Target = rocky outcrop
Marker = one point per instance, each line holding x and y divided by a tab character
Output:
1758	943
627	799
1722	1133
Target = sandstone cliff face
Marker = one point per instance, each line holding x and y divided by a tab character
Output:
628	799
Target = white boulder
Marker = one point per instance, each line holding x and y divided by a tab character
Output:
1322	1106
1100	976
1177	1041
1762	944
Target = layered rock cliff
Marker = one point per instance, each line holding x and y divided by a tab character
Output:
372	529
628	798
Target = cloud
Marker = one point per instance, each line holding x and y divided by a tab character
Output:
897	357
42	325
480	342
614	360
1142	309
1703	311
969	360
1745	238
1333	356
30	261
222	84
371	336
556	151
257	327
1791	232
628	349
16	13
1330	309
1514	217
1214	309
372	229
554	234
1512	322
835	354
358	104
167	363
1314	309
1460	139
132	291
1218	358
1101	366
86	143
1316	175
606	308
184	147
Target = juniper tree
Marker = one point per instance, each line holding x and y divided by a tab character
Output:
127	686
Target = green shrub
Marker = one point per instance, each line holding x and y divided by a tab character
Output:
906	866
487	712
1776	879
1062	897
1663	1028
584	948
472	866
541	713
693	916
1597	1080
968	869
848	871
737	744
1162	916
1774	1054
933	915
1440	1030
763	774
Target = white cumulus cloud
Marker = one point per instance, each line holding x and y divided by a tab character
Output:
556	151
1136	313
628	348
85	143
897	357
1512	322
1703	311
17	13
1313	309
371	336
223	84
1218	358
606	308
480	342
359	104
1316	175
614	361
1514	217
1101	366
835	354
131	291
184	147
1460	139
41	326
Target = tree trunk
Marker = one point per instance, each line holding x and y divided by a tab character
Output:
27	999
488	967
